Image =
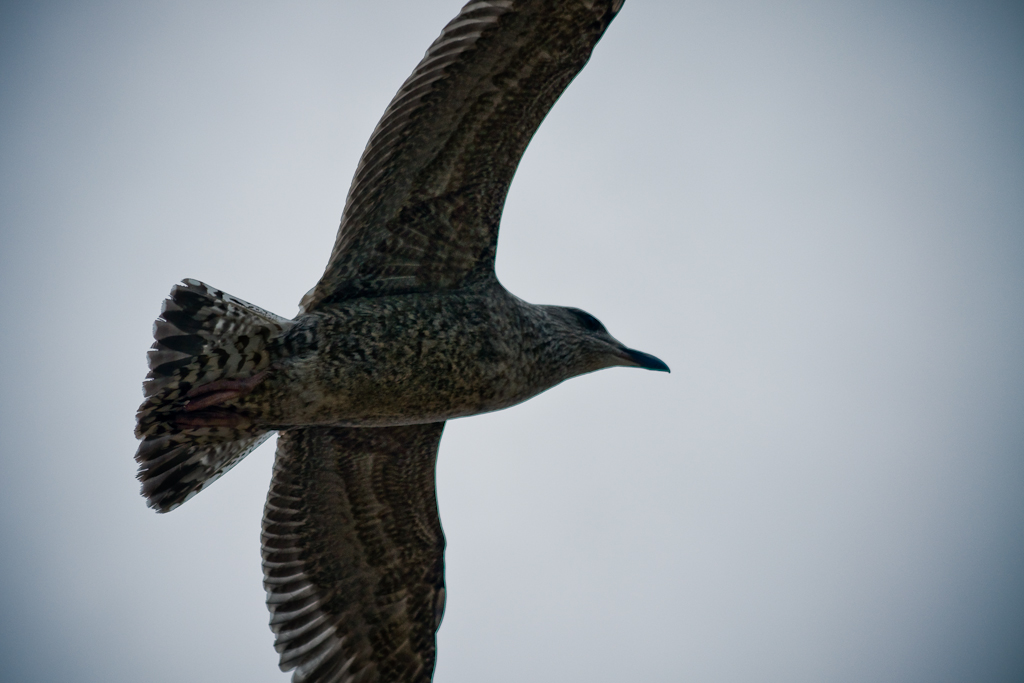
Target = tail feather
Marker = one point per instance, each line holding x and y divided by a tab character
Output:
202	335
175	468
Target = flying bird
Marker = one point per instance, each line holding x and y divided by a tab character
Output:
407	328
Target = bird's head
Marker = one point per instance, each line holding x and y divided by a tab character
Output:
590	347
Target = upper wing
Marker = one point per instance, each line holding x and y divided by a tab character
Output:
353	553
423	210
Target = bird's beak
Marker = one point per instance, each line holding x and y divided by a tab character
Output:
644	360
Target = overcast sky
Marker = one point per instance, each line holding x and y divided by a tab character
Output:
812	211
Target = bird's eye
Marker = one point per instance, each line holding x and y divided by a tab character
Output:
588	321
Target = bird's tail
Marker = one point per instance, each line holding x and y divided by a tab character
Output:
202	335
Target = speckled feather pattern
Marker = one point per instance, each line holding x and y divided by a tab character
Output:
413	359
407	328
202	334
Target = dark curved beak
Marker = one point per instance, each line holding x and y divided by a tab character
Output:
645	360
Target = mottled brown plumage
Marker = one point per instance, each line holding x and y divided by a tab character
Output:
423	210
353	553
407	328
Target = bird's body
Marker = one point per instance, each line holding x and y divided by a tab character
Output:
414	358
407	328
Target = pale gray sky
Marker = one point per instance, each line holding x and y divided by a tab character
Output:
812	211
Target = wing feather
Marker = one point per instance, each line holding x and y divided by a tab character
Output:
423	210
353	553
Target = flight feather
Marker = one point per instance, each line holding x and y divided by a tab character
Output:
353	553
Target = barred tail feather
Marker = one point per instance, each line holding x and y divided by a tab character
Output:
202	335
175	468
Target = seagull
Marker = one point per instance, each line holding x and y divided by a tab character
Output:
408	328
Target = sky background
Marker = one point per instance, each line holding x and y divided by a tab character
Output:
812	211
